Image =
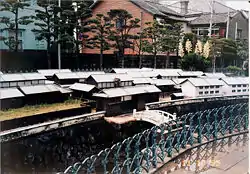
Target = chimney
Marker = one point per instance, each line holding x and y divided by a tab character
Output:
184	6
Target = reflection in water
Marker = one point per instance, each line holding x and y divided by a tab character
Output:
202	158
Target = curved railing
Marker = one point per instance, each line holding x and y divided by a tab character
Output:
149	150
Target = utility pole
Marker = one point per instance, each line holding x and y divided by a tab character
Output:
59	45
211	4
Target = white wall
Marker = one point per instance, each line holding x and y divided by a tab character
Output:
235	89
188	89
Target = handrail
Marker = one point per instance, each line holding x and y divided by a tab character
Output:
192	100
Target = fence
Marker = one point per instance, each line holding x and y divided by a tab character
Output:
149	150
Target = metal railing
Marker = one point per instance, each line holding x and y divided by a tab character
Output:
161	104
147	151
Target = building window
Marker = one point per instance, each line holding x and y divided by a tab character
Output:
126	98
216	92
211	92
200	93
108	85
233	86
217	86
233	90
206	92
239	34
244	90
238	90
206	87
244	85
34	82
211	87
238	85
201	87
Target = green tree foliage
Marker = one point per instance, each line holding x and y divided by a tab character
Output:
242	49
46	24
12	23
122	23
139	41
100	26
170	38
75	24
162	37
194	62
153	43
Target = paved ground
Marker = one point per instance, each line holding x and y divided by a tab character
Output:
234	161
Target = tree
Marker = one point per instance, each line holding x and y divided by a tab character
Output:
153	43
100	27
194	62
122	23
46	24
195	59
170	38
139	41
242	49
12	23
76	24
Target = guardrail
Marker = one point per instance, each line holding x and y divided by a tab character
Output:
47	126
151	149
162	104
155	117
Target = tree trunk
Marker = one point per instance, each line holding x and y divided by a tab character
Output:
48	53
167	60
122	57
101	59
155	57
140	60
16	31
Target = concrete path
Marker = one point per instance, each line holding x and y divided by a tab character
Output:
234	161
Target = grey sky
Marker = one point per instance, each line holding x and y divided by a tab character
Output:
238	5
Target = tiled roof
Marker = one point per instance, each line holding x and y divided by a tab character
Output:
198	6
126	91
82	87
151	7
205	19
111	77
235	80
204	82
51	72
6	93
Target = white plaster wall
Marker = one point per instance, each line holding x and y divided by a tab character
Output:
188	89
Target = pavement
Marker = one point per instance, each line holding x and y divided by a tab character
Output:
234	161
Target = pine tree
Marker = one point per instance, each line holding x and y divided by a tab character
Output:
75	23
153	44
170	38
122	23
12	23
47	21
138	41
99	27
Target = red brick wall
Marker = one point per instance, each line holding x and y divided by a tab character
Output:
106	5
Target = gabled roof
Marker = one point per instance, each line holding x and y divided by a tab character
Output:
235	80
110	77
127	91
198	6
204	82
82	87
151	7
51	72
217	18
6	93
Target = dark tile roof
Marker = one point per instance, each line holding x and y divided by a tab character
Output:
205	19
151	7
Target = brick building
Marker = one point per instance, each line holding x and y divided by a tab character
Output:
146	11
